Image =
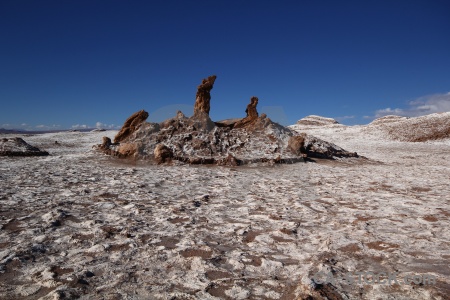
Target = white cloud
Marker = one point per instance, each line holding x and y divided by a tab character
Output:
421	106
48	127
388	111
101	125
78	126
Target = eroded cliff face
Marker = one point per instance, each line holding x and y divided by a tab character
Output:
198	140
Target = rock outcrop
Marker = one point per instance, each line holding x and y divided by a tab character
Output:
252	114
203	96
162	153
18	147
251	111
198	140
318	148
314	120
297	144
106	143
131	125
415	129
388	119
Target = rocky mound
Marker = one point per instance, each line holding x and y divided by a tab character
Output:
199	140
387	119
18	147
315	147
314	120
417	129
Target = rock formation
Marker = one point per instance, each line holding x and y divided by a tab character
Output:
252	114
388	119
251	111
314	120
18	147
318	148
106	143
131	125
297	144
414	129
203	96
233	142
162	153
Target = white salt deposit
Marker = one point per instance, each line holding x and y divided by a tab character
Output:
77	223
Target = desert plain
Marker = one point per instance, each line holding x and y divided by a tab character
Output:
78	224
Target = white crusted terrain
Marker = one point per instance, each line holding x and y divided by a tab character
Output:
417	129
314	120
77	224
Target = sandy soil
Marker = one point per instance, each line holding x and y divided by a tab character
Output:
79	224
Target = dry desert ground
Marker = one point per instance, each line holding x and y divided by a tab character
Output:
80	224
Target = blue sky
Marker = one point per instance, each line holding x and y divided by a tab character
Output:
65	63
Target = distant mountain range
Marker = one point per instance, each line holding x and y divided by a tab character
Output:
19	131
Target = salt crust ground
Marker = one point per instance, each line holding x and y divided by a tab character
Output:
76	223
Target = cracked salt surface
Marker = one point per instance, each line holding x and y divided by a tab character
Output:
78	223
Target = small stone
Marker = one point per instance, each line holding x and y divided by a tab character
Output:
82	281
55	223
39	248
89	274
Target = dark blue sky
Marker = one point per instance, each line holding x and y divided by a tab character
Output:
81	62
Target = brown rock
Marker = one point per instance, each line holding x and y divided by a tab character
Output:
198	144
162	153
106	143
131	125
252	114
126	149
297	144
232	161
251	108
203	95
201	160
